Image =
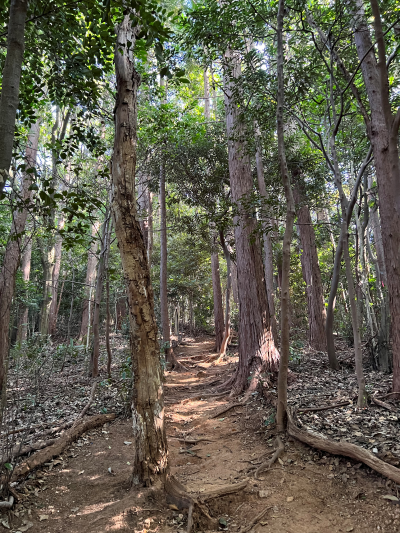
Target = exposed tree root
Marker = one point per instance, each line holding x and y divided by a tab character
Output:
323	407
201	396
59	445
225	409
278	452
178	498
385	405
343	448
193	441
255	520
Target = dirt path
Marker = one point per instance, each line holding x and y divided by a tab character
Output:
305	492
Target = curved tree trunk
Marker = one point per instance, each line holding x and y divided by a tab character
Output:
11	261
257	350
150	447
311	273
11	77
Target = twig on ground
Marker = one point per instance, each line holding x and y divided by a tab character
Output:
223	491
255	520
380	403
85	409
278	452
323	407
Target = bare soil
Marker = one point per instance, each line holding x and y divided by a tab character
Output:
87	489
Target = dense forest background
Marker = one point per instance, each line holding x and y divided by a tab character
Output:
173	169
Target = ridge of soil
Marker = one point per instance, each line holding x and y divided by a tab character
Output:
88	487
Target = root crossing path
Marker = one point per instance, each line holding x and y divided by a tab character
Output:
87	489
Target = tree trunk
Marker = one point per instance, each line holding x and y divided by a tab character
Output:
108	346
11	260
257	350
227	332
268	255
11	77
105	248
216	279
26	270
89	281
150	447
287	238
383	132
56	276
311	273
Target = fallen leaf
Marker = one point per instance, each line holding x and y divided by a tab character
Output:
264	493
280	461
350	528
289	499
223	522
4	523
127	442
43	517
81	472
390	497
24	528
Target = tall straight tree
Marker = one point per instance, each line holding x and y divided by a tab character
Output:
22	332
383	130
151	454
290	214
216	278
12	257
311	272
257	350
89	281
11	77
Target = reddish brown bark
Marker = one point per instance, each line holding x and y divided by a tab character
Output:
150	450
383	129
311	273
257	351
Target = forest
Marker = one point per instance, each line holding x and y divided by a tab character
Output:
200	266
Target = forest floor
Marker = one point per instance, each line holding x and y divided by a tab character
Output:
87	489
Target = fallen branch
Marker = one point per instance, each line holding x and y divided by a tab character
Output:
278	452
85	409
223	491
59	445
323	407
343	448
380	403
193	441
255	520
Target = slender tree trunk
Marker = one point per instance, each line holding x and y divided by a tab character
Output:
108	346
11	261
287	238
56	276
26	270
105	248
311	273
227	332
383	132
11	77
89	281
216	279
143	201
362	396
151	236
268	255
150	448
257	350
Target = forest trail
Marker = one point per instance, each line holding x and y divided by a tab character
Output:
305	492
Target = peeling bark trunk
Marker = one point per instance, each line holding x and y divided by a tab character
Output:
11	77
150	447
11	261
311	274
257	350
287	238
89	281
383	133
